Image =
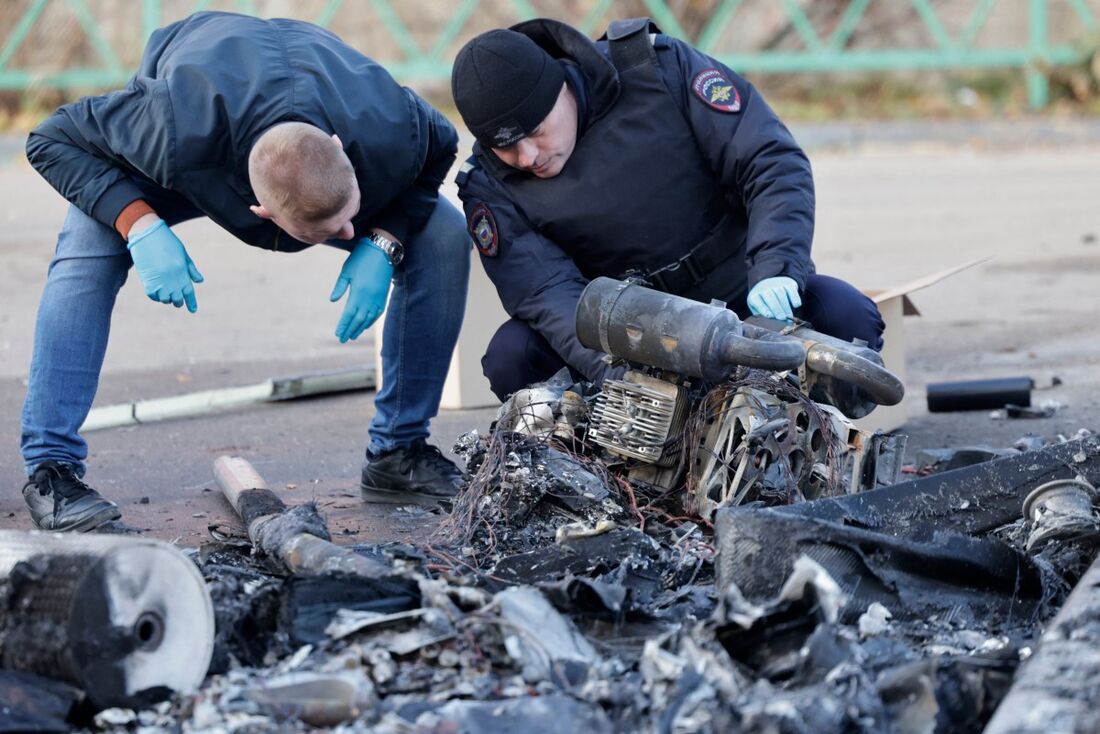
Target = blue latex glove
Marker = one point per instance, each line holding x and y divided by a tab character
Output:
165	268
366	273
775	298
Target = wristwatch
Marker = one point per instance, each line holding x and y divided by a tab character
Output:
392	249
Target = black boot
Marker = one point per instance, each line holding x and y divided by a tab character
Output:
59	501
413	474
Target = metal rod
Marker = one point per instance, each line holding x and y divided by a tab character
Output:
279	532
209	401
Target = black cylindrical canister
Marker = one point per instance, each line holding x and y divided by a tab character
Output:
945	397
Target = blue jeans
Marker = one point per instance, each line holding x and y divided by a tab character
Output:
90	266
519	356
423	319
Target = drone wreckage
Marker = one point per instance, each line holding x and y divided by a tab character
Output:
704	543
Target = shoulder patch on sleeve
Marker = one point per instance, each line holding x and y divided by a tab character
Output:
716	91
464	172
482	226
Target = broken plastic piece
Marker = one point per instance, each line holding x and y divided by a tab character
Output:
310	603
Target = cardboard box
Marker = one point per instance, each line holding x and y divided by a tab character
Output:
466	385
895	304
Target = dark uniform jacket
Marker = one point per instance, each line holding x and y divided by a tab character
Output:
681	172
207	87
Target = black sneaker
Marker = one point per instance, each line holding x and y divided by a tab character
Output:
415	474
59	501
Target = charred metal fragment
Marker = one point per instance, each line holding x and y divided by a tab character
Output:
585	555
970	500
246	605
579	595
568	482
31	703
930	461
946	694
773	639
532	714
297	537
310	603
945	574
546	645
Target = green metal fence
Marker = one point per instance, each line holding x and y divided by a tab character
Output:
817	47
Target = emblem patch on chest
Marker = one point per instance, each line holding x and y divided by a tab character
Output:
483	228
716	90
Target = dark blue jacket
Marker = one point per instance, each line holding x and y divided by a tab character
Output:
207	87
690	164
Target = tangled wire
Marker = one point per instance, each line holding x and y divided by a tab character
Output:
474	511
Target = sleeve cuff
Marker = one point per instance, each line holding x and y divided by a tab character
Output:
114	200
772	269
395	224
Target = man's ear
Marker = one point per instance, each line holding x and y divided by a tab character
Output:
336	139
261	212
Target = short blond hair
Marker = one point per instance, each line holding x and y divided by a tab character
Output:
297	173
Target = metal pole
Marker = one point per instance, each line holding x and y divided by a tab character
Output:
1038	87
150	17
280	533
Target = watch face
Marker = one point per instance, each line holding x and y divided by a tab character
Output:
397	253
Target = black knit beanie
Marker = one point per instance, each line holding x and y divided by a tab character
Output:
504	85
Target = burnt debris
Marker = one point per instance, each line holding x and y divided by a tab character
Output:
696	546
580	600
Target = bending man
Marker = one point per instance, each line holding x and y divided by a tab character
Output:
285	137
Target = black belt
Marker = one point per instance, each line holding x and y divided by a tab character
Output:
694	267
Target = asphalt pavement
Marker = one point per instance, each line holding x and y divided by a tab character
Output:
894	202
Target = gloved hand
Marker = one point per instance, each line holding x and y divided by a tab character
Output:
775	298
367	273
165	268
